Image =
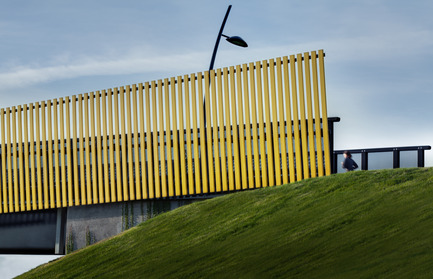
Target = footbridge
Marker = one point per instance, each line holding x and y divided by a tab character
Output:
198	135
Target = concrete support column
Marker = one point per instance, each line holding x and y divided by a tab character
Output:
59	248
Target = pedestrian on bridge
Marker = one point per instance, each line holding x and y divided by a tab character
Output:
348	164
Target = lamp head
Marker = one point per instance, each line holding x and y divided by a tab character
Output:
236	40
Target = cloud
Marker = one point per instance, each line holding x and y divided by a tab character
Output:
24	76
344	49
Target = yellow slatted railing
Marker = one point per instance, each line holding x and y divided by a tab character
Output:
248	126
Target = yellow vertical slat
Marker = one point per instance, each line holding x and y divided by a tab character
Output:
292	171
174	105
20	161
149	144
6	166
93	151
32	158
261	125
104	135
222	132
142	143
82	152
161	140
26	159
38	155
312	157
99	150
250	159
75	152
68	164
254	124
204	174
209	135
136	144
229	129
9	160
241	127
4	201
129	139
21	155
8	150
156	156
56	151
324	113
168	138
283	104
117	133
298	155
93	135
234	124
44	155
195	135
303	118
88	199
50	152
317	113
124	150
62	151
5	149
275	123
269	136
112	181
181	137
15	161
188	136
216	152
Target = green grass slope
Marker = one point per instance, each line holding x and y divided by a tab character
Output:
366	224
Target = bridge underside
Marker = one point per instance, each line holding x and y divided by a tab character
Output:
60	231
35	232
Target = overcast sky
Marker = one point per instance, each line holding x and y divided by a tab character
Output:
378	54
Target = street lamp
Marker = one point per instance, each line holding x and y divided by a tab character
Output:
236	40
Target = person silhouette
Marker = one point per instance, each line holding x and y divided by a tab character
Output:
348	164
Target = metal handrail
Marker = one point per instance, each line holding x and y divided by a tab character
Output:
395	150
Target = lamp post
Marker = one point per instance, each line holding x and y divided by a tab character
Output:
236	40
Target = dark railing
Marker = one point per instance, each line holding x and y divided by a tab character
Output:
394	151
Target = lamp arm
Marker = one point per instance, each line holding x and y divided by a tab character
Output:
218	38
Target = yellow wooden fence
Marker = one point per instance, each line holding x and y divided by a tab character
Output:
250	126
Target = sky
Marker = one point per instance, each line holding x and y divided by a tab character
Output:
378	64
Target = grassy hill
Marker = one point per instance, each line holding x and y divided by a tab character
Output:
365	224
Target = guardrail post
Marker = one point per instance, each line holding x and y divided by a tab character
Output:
331	146
334	162
420	158
364	160
396	159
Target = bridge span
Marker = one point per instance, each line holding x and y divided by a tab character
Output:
132	150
